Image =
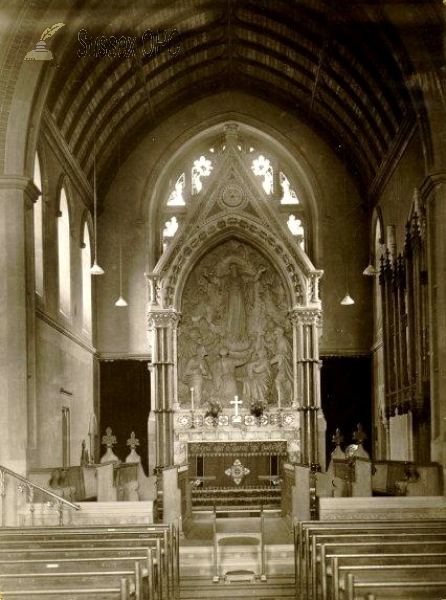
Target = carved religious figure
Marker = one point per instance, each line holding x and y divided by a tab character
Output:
233	281
256	382
225	377
283	361
233	303
195	373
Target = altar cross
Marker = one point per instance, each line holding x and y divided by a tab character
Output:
236	402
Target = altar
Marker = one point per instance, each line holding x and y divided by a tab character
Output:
236	460
236	474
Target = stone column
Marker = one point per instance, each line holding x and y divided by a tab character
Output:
16	198
162	325
306	323
434	193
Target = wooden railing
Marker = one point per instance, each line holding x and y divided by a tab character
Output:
18	483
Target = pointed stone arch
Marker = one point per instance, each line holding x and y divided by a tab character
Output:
298	274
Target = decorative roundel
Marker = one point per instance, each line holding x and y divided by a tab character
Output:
184	421
263	420
233	196
288	419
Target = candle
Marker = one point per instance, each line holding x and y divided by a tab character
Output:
278	397
192	398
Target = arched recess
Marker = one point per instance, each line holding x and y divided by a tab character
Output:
232	241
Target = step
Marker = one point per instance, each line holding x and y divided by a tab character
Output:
196	561
277	587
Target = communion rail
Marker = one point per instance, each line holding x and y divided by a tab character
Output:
14	488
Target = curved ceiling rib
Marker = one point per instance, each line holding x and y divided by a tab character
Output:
338	71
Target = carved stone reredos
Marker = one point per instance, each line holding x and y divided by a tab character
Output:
234	308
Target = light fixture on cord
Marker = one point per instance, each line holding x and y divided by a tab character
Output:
120	301
370	270
95	269
347	300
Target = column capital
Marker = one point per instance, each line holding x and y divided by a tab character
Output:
162	317
432	181
306	316
20	183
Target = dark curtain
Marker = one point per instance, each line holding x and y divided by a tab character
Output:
346	390
125	404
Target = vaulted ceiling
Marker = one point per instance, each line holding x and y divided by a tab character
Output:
343	67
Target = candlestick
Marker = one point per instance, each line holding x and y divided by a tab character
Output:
278	397
192	398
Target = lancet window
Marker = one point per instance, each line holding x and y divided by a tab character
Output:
64	254
86	280
38	228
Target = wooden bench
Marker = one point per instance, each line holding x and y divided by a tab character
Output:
358	537
339	564
409	589
140	562
107	582
376	546
403	571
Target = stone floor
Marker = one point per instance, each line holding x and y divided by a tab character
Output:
199	531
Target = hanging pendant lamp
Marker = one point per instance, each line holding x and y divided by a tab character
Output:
95	269
347	300
120	301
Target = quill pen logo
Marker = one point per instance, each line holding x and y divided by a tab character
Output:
41	53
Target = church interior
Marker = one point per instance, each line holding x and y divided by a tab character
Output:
224	286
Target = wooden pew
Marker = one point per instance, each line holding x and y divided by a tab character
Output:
308	542
339	564
376	546
153	550
429	570
107	582
409	589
